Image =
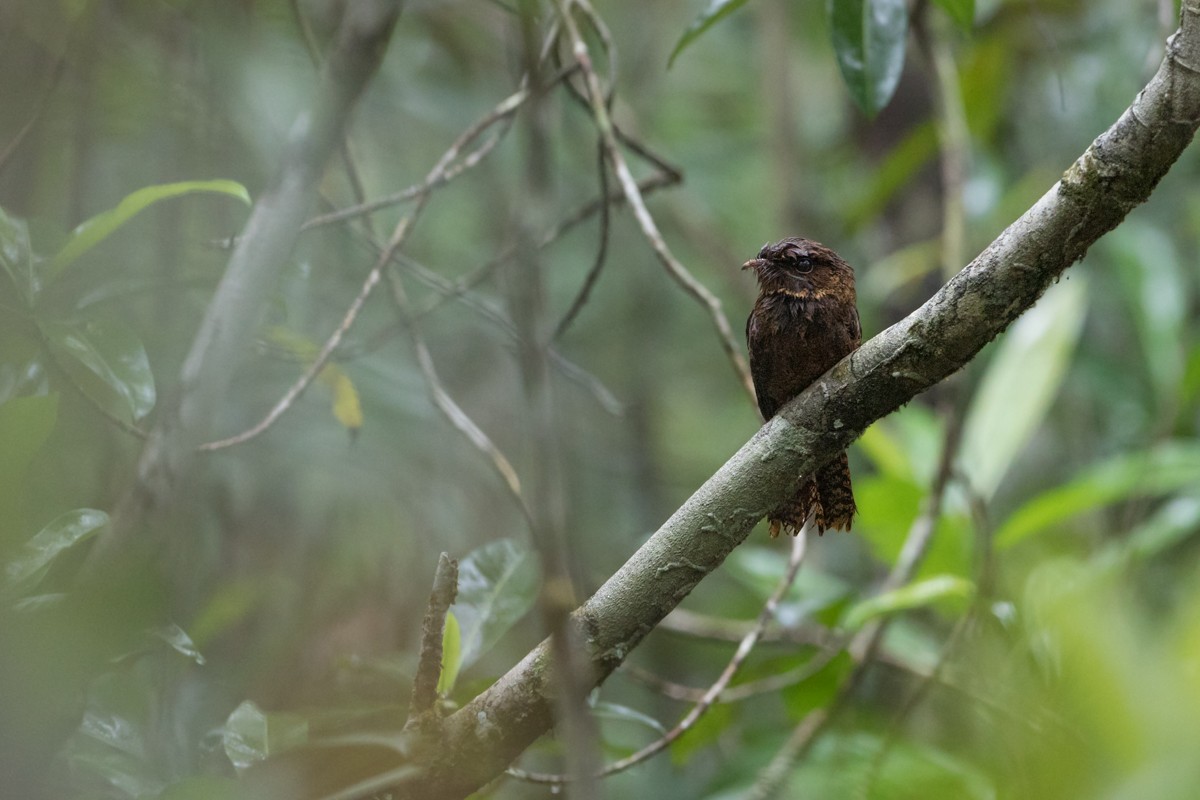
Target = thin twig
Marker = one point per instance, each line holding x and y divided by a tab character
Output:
429	663
714	692
646	222
445	403
491	312
601	255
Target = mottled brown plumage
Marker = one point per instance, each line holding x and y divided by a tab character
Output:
804	321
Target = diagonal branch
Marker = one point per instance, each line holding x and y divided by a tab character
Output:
1118	171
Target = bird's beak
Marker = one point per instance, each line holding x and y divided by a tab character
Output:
755	263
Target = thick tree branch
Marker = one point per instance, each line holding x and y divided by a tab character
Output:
1118	171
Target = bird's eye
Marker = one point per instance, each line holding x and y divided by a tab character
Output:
802	263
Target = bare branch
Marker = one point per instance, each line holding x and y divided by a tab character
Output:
429	663
445	403
597	264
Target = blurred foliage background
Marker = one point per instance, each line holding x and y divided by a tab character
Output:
1048	648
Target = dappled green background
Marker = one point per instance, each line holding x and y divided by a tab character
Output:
287	604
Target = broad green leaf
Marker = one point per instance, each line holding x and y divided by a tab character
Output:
250	734
451	655
961	11
1147	473
39	553
1022	379
95	230
497	585
113	353
716	11
16	256
914	595
868	40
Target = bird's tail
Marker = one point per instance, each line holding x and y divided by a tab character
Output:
828	497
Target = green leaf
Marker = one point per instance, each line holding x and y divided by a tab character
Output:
250	734
716	11
1158	471
113	353
16	256
819	689
1022	379
914	595
497	585
95	230
868	40
451	654
67	530
961	11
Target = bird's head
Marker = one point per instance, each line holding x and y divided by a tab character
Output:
797	264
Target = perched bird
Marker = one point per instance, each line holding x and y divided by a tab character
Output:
803	322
